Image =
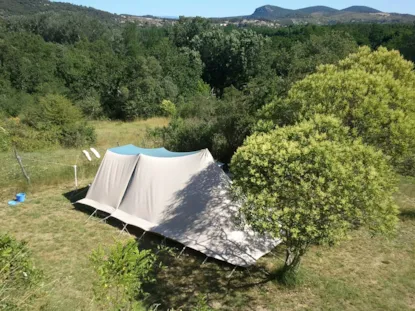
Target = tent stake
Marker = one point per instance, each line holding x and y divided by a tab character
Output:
204	261
181	251
230	275
92	215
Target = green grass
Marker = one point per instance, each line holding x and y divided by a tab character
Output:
362	273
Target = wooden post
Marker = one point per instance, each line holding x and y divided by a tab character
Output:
19	160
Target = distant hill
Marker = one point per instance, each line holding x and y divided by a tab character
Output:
29	7
275	12
323	15
267	15
272	12
361	9
317	9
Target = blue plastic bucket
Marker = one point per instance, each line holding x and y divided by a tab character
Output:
20	197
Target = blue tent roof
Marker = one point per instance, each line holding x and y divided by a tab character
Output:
156	152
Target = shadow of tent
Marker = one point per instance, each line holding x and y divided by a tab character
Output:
151	240
203	215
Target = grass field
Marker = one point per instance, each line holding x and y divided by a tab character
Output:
363	273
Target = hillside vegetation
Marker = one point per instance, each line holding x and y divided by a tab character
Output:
29	7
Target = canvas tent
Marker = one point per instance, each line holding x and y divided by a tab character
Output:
181	196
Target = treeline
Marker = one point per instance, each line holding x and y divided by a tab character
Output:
216	78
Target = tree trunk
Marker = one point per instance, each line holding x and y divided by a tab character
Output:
292	260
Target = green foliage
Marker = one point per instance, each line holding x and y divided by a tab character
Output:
91	108
310	184
231	59
371	92
169	108
24	137
122	271
187	28
303	57
59	121
18	275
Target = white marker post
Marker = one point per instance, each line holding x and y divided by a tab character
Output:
75	168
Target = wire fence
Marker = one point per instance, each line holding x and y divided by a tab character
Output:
45	168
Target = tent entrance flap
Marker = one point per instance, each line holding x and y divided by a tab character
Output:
182	197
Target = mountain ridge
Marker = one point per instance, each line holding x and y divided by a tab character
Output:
275	12
267	15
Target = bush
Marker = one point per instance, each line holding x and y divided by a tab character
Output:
24	137
77	135
18	275
91	108
122	271
57	120
311	184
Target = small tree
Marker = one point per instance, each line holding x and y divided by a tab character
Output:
122	272
309	184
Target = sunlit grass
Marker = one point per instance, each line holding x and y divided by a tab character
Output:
363	273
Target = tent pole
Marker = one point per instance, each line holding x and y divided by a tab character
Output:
230	275
142	236
105	219
181	251
124	229
92	215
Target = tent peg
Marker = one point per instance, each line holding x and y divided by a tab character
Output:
230	275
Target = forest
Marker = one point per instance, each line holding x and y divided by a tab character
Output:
60	69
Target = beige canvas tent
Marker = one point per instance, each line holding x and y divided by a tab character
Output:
181	196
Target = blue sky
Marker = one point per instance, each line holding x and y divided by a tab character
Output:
219	8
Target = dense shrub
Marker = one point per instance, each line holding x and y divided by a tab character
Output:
122	271
91	108
310	184
59	121
18	275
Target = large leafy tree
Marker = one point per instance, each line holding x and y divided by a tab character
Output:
310	184
373	93
303	57
231	59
